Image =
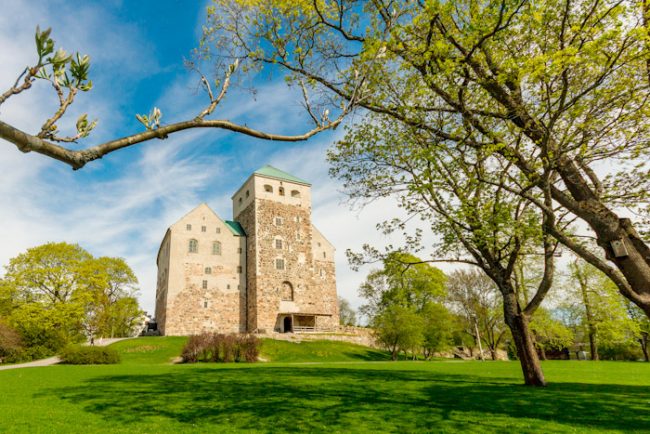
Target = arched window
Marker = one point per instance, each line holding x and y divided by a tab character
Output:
287	291
268	188
295	193
194	246
248	193
216	248
281	191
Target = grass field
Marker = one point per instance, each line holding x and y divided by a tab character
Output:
343	394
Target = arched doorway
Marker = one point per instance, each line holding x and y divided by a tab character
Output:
287	324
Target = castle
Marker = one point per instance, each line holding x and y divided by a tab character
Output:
269	269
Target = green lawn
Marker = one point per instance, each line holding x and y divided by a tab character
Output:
147	394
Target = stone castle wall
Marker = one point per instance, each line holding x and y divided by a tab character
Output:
190	305
246	289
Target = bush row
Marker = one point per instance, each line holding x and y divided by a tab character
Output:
89	355
216	347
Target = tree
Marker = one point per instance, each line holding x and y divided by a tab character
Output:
59	293
643	327
69	74
550	333
347	315
603	316
398	328
473	296
438	329
405	280
548	88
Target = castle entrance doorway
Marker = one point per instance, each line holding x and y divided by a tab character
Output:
287	324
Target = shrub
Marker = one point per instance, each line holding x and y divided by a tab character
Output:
628	351
89	355
217	347
11	349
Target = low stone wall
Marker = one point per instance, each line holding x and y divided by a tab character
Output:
354	335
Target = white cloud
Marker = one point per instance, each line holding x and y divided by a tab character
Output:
122	205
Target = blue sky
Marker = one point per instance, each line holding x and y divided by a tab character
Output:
122	204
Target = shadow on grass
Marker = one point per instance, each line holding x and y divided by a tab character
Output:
353	399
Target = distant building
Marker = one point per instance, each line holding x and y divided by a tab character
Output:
267	270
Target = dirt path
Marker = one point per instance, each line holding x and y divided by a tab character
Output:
55	360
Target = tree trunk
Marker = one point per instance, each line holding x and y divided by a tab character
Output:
634	262
542	352
522	337
644	346
593	345
493	353
591	326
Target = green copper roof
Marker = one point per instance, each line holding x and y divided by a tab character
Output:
235	228
272	172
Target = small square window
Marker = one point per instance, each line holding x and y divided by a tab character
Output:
203	229
188	227
208	270
239	269
205	284
279	264
239	250
218	230
279	221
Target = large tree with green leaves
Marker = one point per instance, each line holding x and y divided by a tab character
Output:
57	293
404	280
551	89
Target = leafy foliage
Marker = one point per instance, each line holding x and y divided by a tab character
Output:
89	355
217	347
57	294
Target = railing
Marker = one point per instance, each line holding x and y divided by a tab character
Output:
310	329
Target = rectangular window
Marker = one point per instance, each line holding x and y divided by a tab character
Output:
239	250
228	286
216	248
203	229
205	284
297	235
208	270
239	269
278	244
205	304
279	264
218	230
324	255
188	227
279	221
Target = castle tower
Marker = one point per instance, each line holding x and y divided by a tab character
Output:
291	282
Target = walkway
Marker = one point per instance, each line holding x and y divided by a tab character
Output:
55	360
